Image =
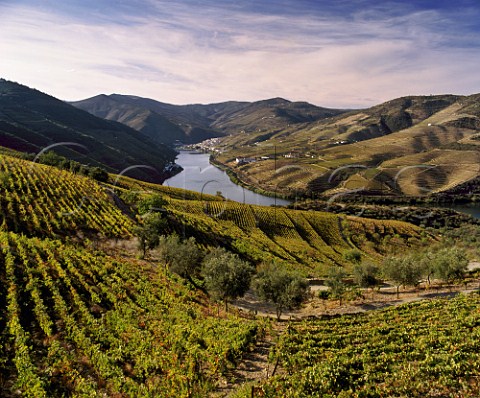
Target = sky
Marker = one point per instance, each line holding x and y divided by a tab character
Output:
333	53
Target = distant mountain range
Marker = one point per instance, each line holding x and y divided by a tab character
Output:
411	145
166	123
31	121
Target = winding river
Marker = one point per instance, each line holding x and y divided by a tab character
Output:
199	175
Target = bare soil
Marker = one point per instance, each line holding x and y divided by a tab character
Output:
382	297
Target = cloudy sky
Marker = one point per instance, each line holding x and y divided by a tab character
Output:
335	53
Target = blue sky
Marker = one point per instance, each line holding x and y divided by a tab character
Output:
344	53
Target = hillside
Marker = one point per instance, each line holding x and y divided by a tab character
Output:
80	323
80	315
43	201
154	125
408	146
194	123
308	242
31	121
428	349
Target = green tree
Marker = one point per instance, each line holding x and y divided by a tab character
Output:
450	264
98	174
226	276
151	204
426	261
277	285
180	256
335	282
50	158
148	233
366	275
403	271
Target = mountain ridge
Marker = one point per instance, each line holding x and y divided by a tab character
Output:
31	121
203	121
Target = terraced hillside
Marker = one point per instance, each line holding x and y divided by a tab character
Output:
43	201
76	321
412	145
79	323
307	241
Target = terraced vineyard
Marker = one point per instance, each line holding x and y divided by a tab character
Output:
85	324
304	240
408	146
428	349
308	241
44	201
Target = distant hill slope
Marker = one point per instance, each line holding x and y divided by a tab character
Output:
30	121
411	145
156	126
194	123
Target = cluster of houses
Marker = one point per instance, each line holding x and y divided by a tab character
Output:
241	161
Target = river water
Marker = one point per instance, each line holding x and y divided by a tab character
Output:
472	209
200	176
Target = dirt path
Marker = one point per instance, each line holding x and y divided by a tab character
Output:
253	368
316	307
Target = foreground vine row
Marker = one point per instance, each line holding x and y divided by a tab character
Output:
45	201
427	349
73	322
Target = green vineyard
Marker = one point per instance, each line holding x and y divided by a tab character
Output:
44	201
428	349
308	241
77	323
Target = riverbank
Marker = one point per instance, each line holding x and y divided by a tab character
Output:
202	174
236	180
454	197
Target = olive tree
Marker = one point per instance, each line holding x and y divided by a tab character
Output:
335	282
148	233
403	271
180	256
366	275
151	204
226	275
277	285
450	264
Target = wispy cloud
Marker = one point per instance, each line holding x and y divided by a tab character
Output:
343	53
